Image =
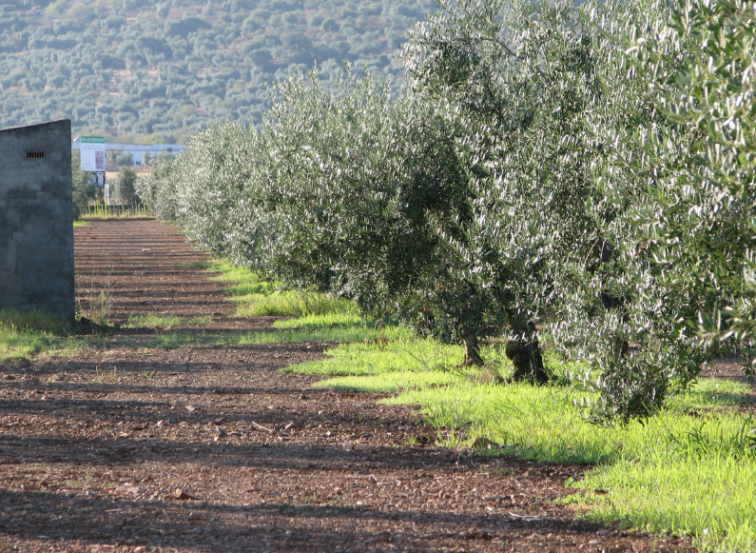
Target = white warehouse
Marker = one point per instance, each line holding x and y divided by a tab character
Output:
137	151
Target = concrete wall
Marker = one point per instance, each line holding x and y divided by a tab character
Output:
36	219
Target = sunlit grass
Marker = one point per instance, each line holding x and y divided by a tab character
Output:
25	334
290	304
710	392
676	473
80	224
256	296
399	356
712	497
325	320
391	382
152	320
247	291
689	471
179	338
231	273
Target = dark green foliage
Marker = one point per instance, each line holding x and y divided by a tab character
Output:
184	27
83	190
117	158
125	186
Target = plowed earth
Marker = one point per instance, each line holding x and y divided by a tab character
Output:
130	447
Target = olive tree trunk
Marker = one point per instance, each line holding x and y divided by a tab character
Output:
527	360
472	351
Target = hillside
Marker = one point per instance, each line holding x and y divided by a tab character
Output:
156	71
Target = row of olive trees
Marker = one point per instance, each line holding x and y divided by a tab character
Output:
570	173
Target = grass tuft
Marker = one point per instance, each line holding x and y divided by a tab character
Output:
325	320
24	334
181	338
40	321
290	304
152	320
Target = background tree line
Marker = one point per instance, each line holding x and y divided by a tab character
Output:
155	71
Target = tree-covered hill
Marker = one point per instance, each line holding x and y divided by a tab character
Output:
157	70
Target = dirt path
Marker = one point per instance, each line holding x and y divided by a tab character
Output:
136	448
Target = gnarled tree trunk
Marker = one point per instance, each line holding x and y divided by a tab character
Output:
611	302
525	355
472	351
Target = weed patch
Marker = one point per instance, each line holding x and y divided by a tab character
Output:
102	212
289	304
24	334
399	356
152	320
324	320
391	382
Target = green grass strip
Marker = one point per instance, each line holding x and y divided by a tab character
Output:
164	321
401	355
256	296
326	320
689	471
352	333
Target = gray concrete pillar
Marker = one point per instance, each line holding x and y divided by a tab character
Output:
36	219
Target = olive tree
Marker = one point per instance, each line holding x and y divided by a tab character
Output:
701	211
210	190
83	191
449	204
352	181
213	199
511	81
125	186
678	228
158	189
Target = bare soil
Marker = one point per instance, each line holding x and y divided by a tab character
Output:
133	448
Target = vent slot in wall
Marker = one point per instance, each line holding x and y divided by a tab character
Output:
35	154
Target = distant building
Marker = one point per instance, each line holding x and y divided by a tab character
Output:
137	151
